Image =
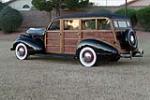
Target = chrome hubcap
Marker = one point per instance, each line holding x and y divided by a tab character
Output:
88	57
21	51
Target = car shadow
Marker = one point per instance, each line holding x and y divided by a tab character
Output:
55	58
71	61
121	63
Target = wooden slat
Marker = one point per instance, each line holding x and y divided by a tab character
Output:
52	49
71	39
70	49
71	42
70	35
53	35
53	42
105	36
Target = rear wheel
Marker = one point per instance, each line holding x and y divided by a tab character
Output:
21	51
87	57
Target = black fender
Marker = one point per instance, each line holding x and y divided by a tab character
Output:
32	45
101	48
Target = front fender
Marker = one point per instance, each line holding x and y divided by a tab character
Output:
101	48
34	46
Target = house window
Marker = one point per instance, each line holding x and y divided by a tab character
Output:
26	6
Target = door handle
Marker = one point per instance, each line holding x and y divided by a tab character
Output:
59	34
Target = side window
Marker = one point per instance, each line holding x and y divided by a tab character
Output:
71	24
103	24
55	26
88	24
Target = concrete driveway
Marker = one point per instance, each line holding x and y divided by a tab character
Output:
46	78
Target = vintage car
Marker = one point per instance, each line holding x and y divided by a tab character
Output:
89	37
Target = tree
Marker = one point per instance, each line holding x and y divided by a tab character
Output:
131	13
143	16
42	5
57	5
75	4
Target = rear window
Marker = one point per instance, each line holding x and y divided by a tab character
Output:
122	23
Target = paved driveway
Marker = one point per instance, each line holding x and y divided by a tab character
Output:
45	78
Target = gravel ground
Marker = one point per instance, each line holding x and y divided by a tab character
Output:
45	78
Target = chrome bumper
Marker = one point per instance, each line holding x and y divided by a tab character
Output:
138	53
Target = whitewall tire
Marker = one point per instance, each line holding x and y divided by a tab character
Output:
21	51
87	57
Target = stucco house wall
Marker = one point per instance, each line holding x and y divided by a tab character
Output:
137	4
140	3
21	5
31	18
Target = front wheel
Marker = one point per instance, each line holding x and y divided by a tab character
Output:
21	51
87	57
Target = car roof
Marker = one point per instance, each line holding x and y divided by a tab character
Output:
89	14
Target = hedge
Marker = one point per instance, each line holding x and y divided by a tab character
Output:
143	16
10	19
2	6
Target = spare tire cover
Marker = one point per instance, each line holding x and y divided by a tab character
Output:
131	39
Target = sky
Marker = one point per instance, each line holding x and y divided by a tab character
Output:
102	2
5	0
108	2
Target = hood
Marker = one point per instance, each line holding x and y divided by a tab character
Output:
36	31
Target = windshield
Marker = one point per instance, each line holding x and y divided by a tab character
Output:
122	24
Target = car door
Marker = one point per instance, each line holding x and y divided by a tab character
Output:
53	38
71	32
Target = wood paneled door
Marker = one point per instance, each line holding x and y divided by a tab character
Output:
53	38
53	42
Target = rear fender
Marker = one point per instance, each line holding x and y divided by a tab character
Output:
101	48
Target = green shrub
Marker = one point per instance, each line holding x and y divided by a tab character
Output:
10	19
143	16
99	10
2	6
131	13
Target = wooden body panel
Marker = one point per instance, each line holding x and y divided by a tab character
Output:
71	39
106	36
52	44
66	41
